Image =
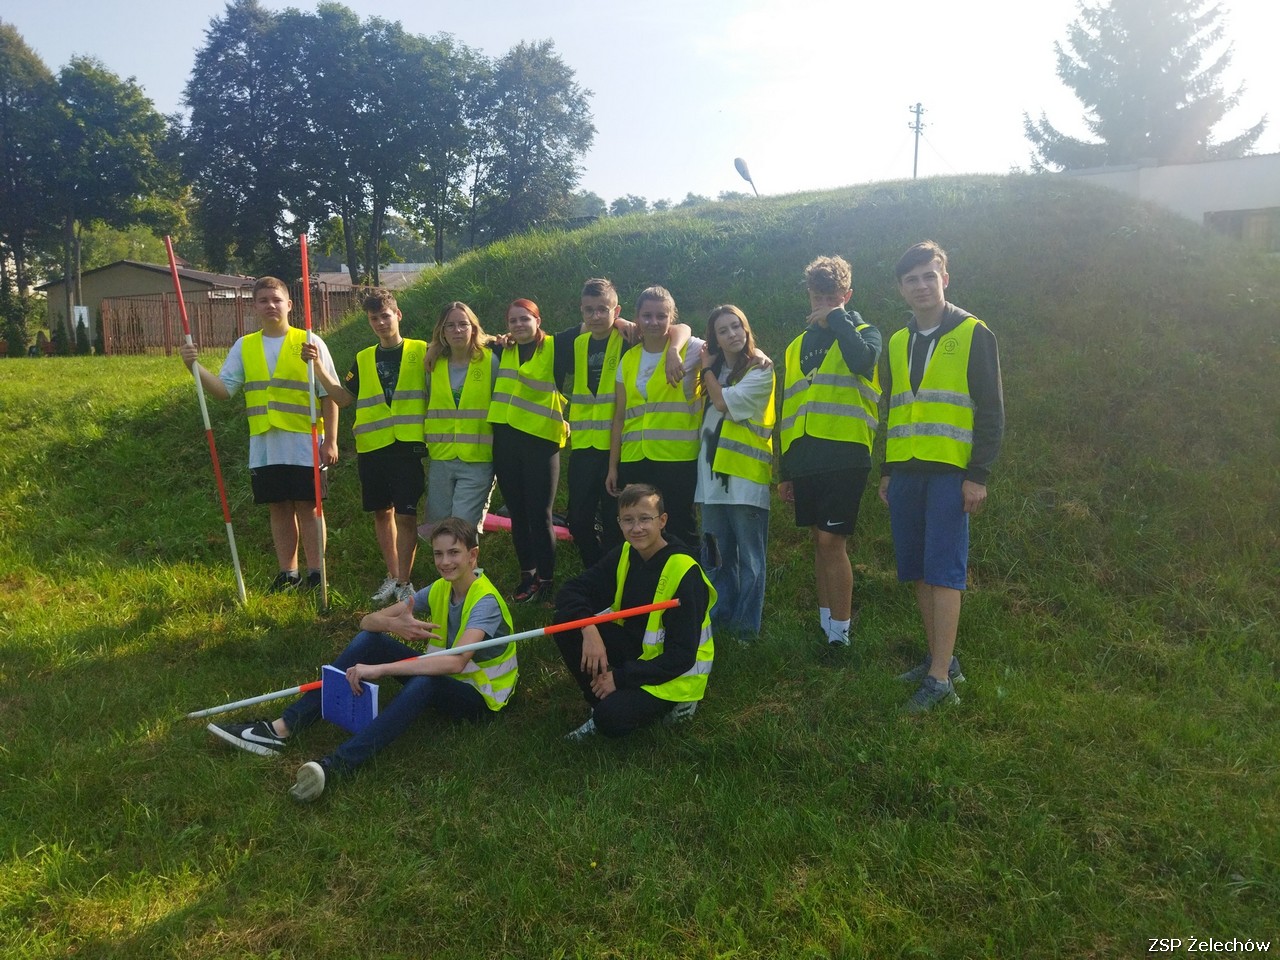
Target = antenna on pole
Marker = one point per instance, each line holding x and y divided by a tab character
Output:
917	126
741	166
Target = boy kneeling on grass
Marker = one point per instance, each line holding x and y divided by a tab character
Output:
644	669
461	686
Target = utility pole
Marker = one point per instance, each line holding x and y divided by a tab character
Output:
917	126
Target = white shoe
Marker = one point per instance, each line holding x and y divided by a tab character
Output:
308	783
387	590
588	729
404	591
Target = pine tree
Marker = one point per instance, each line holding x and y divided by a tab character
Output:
1137	66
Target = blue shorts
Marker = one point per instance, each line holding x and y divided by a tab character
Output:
930	527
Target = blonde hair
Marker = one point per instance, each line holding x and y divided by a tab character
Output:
479	339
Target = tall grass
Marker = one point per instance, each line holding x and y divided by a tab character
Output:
1111	775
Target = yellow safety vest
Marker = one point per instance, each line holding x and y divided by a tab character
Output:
525	394
278	400
664	426
459	430
831	402
591	414
746	449
692	684
491	671
936	422
379	425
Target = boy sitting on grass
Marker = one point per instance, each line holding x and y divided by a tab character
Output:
463	686
643	669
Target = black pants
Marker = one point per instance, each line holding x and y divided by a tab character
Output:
678	481
528	470
623	711
593	513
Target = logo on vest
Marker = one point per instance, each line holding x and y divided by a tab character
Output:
662	584
950	345
477	373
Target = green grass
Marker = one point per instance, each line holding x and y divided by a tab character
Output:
1111	775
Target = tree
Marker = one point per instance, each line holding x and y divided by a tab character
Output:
1136	65
631	203
28	99
235	152
540	125
693	199
113	161
588	203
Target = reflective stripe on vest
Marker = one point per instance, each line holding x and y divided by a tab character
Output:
746	449
278	400
665	426
591	414
692	684
525	394
460	430
378	425
935	423
832	402
494	678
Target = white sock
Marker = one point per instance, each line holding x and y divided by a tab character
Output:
839	630
824	617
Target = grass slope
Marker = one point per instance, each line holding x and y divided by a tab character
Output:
1111	775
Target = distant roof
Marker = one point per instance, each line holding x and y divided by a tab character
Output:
391	276
186	273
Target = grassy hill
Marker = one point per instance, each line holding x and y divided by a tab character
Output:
1110	777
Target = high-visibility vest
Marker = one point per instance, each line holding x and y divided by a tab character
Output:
379	425
279	400
664	426
459	430
936	422
831	402
591	414
692	684
525	394
745	449
495	678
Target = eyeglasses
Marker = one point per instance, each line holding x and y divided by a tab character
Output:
629	523
596	311
460	325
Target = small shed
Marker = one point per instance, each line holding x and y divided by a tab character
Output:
131	278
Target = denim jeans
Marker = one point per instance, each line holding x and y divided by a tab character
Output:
742	533
448	696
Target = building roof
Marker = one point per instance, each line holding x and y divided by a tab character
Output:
186	273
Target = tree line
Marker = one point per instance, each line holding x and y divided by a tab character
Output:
318	122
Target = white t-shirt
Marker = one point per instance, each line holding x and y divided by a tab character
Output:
650	362
745	399
275	446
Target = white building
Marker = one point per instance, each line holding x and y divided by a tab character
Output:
1240	197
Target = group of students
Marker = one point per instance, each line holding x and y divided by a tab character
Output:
654	429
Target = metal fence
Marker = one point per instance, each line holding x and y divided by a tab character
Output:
152	323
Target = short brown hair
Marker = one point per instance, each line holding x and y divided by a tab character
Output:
633	493
599	287
918	255
464	531
831	276
377	299
270	283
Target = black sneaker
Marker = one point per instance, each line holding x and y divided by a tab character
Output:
256	737
284	581
533	590
312	582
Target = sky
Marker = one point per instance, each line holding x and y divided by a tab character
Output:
813	94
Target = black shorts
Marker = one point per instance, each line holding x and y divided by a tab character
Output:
391	477
278	482
829	501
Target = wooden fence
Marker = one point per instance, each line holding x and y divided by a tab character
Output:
152	323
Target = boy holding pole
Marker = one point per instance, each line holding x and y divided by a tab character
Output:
269	367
